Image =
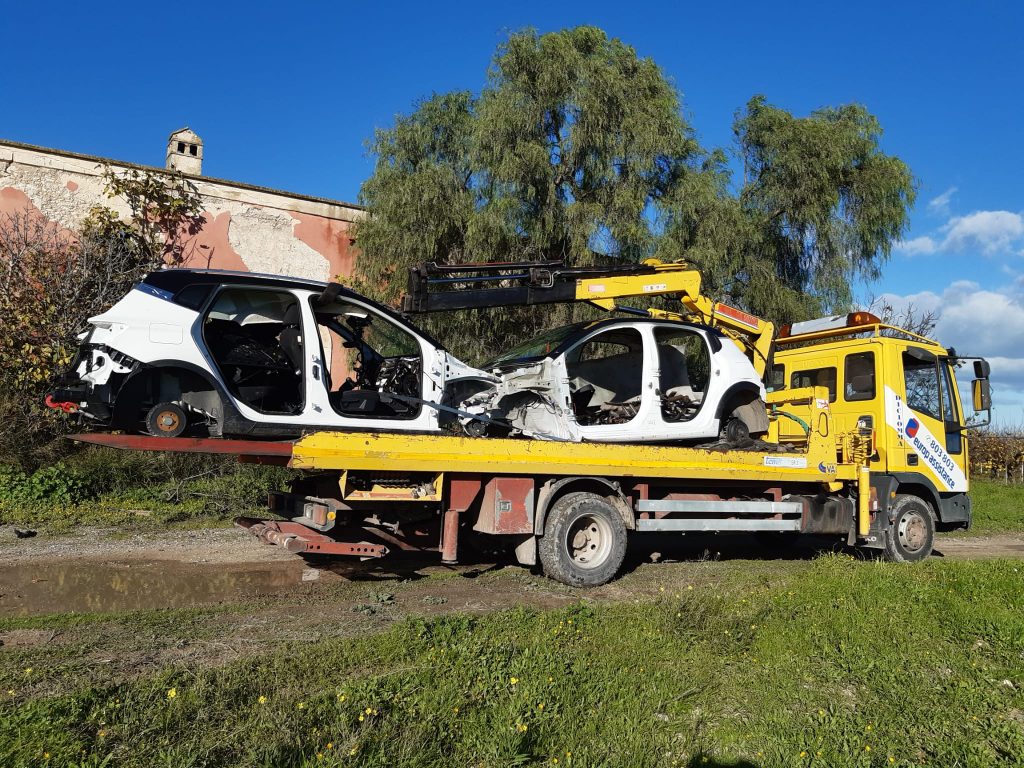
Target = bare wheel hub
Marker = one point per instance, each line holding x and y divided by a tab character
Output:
589	541
168	421
912	532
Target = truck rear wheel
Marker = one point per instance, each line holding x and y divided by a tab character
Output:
584	541
912	533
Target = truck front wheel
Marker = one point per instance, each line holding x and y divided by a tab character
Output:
584	541
912	533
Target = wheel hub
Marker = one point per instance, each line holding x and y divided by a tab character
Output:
589	541
167	421
912	532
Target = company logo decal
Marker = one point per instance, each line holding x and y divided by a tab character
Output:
915	434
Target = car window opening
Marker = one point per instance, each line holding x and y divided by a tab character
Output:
255	340
605	377
684	371
367	360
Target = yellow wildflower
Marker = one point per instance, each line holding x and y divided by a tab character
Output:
330	745
172	692
521	727
261	700
513	680
361	718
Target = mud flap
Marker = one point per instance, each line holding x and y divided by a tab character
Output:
526	550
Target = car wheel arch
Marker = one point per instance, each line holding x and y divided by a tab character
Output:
126	406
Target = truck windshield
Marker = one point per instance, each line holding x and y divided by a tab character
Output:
537	347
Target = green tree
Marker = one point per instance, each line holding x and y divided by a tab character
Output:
567	153
827	203
819	208
577	149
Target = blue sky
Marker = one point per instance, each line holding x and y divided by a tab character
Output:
285	95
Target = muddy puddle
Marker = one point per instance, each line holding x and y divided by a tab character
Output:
76	586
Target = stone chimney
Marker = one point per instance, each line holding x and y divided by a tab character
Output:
185	152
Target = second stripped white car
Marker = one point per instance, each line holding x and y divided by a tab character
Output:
628	381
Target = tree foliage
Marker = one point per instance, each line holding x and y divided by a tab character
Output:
53	279
572	144
577	148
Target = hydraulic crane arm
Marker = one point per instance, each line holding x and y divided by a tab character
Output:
440	288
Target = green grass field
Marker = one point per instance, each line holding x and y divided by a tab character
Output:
998	507
832	662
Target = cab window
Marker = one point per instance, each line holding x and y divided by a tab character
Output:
921	378
859	377
776	378
816	377
954	438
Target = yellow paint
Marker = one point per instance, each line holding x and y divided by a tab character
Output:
443	453
829	349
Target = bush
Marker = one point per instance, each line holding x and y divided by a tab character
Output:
52	484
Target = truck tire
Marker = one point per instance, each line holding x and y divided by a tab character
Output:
912	533
584	541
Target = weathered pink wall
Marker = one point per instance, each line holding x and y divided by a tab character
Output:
246	228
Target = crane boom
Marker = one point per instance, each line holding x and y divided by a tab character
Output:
442	288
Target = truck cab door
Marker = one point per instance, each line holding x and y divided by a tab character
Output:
927	421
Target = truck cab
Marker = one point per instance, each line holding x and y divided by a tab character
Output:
904	387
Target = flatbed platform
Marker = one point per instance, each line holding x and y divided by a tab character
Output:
452	454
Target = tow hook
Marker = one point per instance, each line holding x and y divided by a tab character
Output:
67	406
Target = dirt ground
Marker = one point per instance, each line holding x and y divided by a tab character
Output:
103	571
209	597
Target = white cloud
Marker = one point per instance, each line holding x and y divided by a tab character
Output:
989	231
918	246
940	205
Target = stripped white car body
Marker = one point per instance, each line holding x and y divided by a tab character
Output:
670	382
155	334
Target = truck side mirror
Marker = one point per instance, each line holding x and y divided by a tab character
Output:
981	394
982	369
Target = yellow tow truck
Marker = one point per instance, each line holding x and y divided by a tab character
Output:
866	441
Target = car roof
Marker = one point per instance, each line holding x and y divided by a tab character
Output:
176	279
